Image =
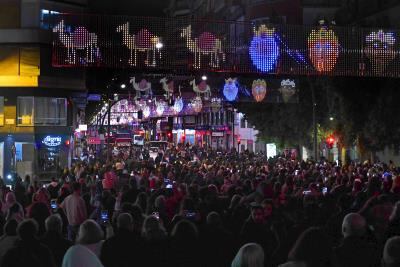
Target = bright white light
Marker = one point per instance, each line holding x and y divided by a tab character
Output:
159	45
204	78
123	86
331	118
9	177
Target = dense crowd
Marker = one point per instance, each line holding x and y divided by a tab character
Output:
198	207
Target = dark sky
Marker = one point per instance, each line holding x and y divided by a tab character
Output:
129	7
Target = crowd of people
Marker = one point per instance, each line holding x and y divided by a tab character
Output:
197	207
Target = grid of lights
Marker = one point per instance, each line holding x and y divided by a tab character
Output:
259	90
379	48
231	89
263	49
182	45
323	49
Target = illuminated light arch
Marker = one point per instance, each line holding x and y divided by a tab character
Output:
264	50
323	49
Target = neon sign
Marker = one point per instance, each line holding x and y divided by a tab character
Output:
52	141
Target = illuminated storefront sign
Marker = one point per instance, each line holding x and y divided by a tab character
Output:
52	141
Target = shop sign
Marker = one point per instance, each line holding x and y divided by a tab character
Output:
52	140
10	121
217	134
94	141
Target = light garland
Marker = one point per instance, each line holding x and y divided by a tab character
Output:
287	90
380	50
178	105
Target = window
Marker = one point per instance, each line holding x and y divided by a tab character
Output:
50	111
1	110
242	123
41	111
46	19
25	111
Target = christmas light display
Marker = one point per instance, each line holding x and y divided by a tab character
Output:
323	48
206	44
287	90
146	111
380	50
202	89
196	104
259	90
142	87
178	105
231	89
160	107
216	104
143	41
264	50
80	39
167	87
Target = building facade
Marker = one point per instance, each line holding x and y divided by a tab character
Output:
38	104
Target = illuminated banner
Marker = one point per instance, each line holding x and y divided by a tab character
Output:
173	44
52	141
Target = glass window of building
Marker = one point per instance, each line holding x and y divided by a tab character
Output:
50	111
25	111
46	18
1	110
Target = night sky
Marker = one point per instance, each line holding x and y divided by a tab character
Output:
129	7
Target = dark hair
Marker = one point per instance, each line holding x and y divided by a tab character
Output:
312	247
76	186
10	228
185	230
27	229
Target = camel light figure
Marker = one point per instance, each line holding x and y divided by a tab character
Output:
143	41
80	39
202	88
142	87
206	44
167	87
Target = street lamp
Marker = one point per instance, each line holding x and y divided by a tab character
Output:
331	118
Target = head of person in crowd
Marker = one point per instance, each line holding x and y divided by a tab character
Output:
153	229
185	230
391	252
76	188
214	220
249	255
54	224
27	230
89	233
10	228
354	225
313	248
257	213
125	222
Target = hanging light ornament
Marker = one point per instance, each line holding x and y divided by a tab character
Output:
197	104
259	90
146	111
230	89
216	104
287	90
380	49
160	107
178	105
264	50
323	47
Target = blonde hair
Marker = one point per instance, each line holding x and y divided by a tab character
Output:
249	255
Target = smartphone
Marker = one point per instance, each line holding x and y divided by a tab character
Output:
191	215
53	204
306	192
156	214
104	216
324	190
